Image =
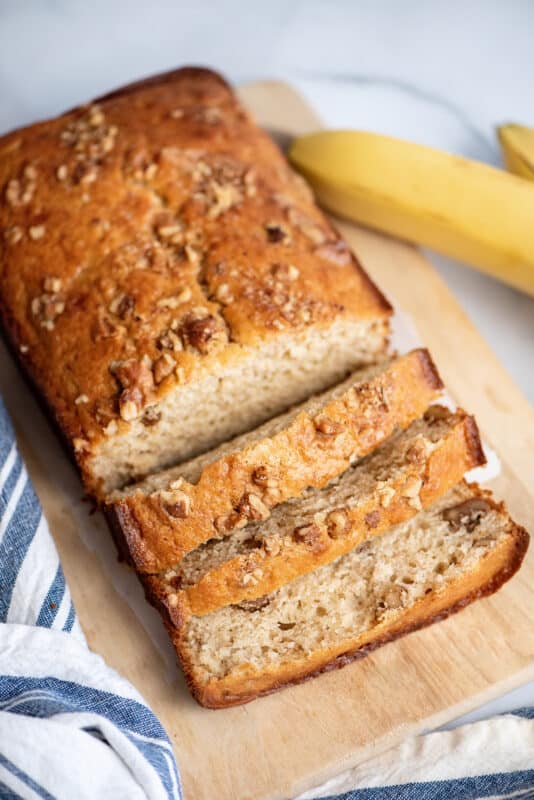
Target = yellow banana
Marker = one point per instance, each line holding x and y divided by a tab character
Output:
464	209
517	145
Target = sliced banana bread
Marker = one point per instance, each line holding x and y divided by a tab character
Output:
407	473
462	548
170	513
166	279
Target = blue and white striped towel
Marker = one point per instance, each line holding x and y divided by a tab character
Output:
70	727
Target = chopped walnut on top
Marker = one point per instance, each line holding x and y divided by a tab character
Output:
90	139
122	305
47	306
225	197
137	383
163	367
310	536
252	506
201	331
468	513
19	191
223	294
176	503
13	235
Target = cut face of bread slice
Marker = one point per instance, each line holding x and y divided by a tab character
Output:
464	547
409	472
161	519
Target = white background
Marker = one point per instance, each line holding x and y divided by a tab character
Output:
442	73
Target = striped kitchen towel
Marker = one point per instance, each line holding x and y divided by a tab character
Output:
70	727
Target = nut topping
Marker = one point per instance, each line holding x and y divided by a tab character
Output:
52	284
260	476
177	504
13	235
467	514
202	333
309	535
272	545
338	523
226	196
122	305
36	232
46	308
385	494
19	191
252	506
224	294
164	366
411	490
137	382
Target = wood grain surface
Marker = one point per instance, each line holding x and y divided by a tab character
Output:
281	745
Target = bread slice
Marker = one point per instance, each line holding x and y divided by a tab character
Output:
171	513
421	571
409	472
167	280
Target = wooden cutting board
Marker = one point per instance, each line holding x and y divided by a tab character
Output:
281	745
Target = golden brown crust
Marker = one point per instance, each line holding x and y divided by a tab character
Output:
158	530
418	485
149	237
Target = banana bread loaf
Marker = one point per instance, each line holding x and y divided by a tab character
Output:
166	280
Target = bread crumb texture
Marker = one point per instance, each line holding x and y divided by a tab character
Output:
365	589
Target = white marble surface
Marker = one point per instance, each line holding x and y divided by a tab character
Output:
442	73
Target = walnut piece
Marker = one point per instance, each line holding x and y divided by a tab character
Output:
467	514
202	333
176	503
164	366
137	382
252	506
338	523
309	535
